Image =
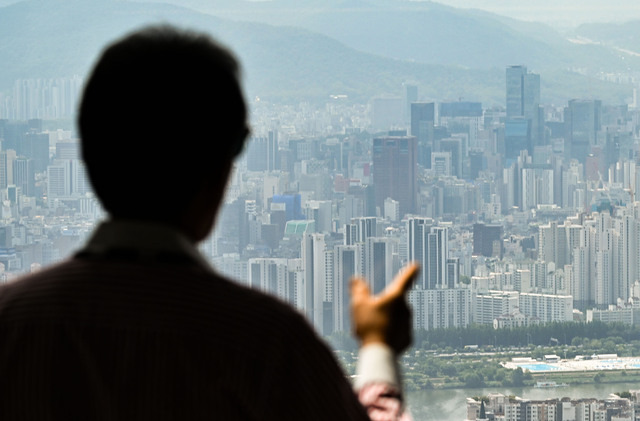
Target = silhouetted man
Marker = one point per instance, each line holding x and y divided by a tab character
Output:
137	325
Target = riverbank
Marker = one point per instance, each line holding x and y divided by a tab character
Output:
590	377
510	368
528	380
450	404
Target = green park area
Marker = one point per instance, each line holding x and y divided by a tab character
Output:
443	359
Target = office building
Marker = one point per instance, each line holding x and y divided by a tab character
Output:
422	125
24	175
487	240
7	159
263	153
453	146
525	123
395	172
582	120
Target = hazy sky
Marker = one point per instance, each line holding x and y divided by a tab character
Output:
560	13
564	13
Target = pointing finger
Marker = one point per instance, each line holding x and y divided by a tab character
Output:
402	283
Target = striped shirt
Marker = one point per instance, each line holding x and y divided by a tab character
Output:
137	326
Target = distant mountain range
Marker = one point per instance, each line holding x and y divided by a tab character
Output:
356	48
422	31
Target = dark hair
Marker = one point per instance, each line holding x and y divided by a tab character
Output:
161	111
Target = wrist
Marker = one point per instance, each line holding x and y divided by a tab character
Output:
373	338
376	364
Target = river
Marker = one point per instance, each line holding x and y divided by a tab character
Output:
451	404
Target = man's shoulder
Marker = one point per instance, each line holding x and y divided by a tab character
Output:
177	297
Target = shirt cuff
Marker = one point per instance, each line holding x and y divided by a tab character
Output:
376	364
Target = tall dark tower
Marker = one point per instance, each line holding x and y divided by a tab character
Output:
524	125
394	171
422	122
582	119
24	175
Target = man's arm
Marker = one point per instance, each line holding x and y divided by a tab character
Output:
382	323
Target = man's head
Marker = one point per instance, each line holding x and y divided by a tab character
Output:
162	115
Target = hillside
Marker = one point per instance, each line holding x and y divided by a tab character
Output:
426	32
620	35
54	38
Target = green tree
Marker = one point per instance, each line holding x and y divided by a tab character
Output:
517	377
473	380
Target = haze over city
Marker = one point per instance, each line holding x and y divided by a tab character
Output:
496	143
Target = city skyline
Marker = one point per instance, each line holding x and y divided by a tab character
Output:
514	185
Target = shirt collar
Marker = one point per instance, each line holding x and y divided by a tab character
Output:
146	239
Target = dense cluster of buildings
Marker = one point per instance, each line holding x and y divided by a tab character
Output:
498	407
518	215
48	99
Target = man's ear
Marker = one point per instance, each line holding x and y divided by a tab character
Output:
199	218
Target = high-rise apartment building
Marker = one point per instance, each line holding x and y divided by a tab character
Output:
317	264
429	246
379	270
440	308
437	258
344	269
360	229
45	98
417	247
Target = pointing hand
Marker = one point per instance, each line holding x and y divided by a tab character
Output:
384	318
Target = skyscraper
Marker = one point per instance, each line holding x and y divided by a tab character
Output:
394	171
422	122
429	246
417	246
344	269
487	240
523	128
378	263
263	153
317	264
438	255
582	122
24	175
